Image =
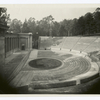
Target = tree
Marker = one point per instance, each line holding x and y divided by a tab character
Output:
31	25
49	20
46	25
62	31
89	23
97	20
66	27
15	26
55	29
80	26
73	29
25	28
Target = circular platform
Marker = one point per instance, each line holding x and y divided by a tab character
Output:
45	63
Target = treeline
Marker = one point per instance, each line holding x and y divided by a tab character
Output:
89	24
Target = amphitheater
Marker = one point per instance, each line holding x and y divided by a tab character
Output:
59	64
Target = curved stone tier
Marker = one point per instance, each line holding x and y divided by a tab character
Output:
75	70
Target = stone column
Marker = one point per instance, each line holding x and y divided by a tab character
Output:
30	41
11	45
19	43
5	46
8	44
27	43
14	43
2	56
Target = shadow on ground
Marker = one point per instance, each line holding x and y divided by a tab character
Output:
92	87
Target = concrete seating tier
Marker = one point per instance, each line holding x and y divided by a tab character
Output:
83	43
86	44
68	70
70	42
47	43
95	46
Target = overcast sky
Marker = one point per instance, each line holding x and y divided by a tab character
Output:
58	11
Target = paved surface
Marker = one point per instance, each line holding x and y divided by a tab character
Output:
33	54
12	62
12	56
24	77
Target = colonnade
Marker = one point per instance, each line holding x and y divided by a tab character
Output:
13	42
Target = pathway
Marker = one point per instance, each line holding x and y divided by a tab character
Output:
24	77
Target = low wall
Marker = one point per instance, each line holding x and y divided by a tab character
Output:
89	78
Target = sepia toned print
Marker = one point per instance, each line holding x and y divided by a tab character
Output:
50	49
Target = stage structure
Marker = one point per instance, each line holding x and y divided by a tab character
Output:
15	42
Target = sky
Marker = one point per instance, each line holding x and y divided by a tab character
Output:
58	11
